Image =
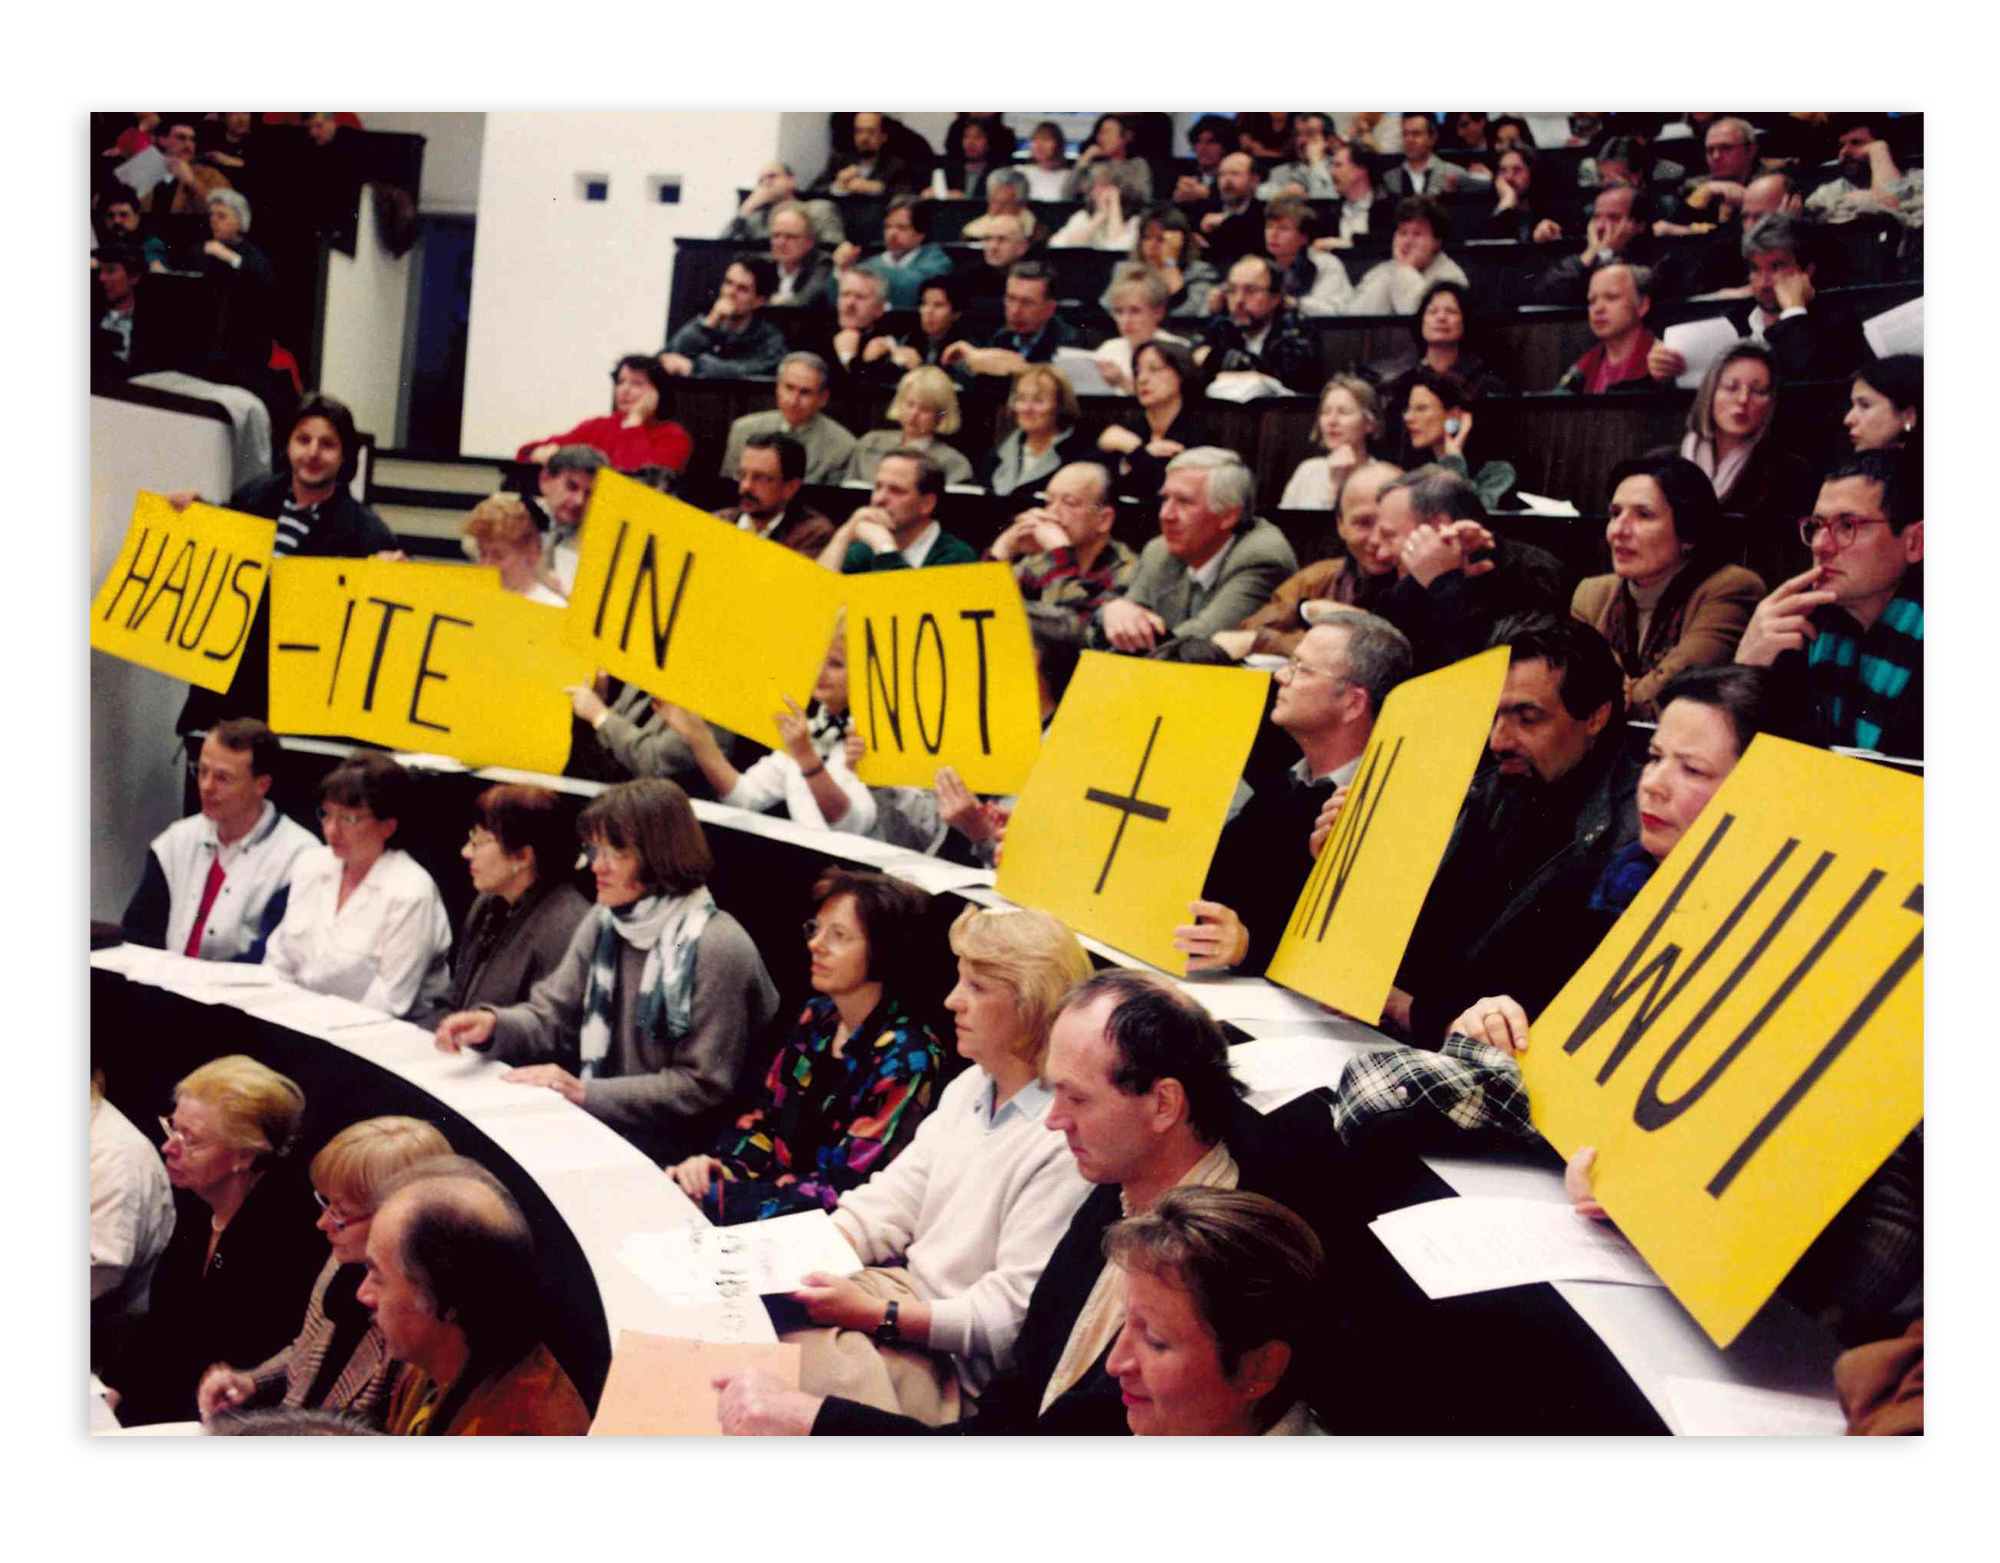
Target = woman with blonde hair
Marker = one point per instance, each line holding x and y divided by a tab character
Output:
1349	421
235	1276
504	537
956	1230
925	406
338	1361
1044	408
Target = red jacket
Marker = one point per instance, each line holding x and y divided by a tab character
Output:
664	444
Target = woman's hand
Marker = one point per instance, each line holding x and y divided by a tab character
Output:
550	1076
468	1028
586	703
220	251
839	1302
543	451
965	811
222	1388
1118	441
1341	459
696	1174
1498	1020
795	734
1576	1184
684	722
755	1402
1114	376
854	747
181	498
1215	940
1163	447
1454	442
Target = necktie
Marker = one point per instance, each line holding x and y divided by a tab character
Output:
209	891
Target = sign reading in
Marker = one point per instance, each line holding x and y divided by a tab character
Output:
183	592
1746	1047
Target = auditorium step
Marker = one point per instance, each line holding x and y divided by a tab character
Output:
424	499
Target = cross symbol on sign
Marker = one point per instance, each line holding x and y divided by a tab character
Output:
1127	805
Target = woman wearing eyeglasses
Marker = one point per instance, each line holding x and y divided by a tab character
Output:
526	912
236	1273
1754	476
853	1080
338	1361
364	921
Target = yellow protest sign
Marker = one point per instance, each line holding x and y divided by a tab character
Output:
1355	915
431	657
1746	1047
183	592
1115	828
940	671
690	608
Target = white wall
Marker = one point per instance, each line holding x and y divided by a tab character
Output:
361	347
560	285
452	145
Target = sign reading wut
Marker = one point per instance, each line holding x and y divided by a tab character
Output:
183	592
1746	1047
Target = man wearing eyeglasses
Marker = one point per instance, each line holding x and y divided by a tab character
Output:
216	882
1846	638
1261	335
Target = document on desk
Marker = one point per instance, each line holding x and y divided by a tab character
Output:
663	1387
317	1014
1281	1069
1451	1247
1707	1408
692	1264
1700	342
936	875
1240	999
1898	330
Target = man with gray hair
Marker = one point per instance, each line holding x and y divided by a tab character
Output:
1006	207
1730	146
777	184
802	393
1212	566
804	275
1329	694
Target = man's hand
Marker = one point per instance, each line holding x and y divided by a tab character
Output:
836	1301
695	1175
1329	812
876	347
552	1077
1794	290
468	1028
1437	550
1212	221
1498	1020
1664	363
222	252
905	358
871	525
676	363
965	811
1215	941
1783	621
222	1388
1547	231
1189	188
1576	1184
756	1403
181	498
845	255
1396	1010
543	451
954	354
1130	627
683	721
585	702
1234	644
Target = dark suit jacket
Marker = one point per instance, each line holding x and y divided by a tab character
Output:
1825	343
803	529
504	951
1453	617
1234	237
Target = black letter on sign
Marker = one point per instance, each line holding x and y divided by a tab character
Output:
649	572
176	582
1336	858
979	616
389	612
182	639
255	567
339	651
928	622
1849	1029
892	688
132	575
424	669
604	596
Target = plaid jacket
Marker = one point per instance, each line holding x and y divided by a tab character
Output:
1054	578
363	1385
1466	1084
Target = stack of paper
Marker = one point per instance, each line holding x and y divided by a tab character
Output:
1454	1246
691	1265
1280	1069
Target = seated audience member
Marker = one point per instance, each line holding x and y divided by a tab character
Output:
1044	411
1353	578
925	407
1454	580
116	270
1619	233
1223	1315
1307	176
775	186
1365	211
185	190
318	517
1047	169
637	432
1235	228
1212	564
809	774
770	471
1729	147
939	306
1438	333
364	921
645	1023
1757	481
504	537
1139	310
908	259
1869	180
452	1284
1113	141
566	481
1517	212
1210	139
1847	636
1032	332
871	168
1885	403
216	883
898	528
1109	216
1006	208
338	1361
523	915
1330	691
1672	601
623	734
1168	247
802	391
984	281
1537	828
1437	427
853	1080
730	342
131	1219
240	278
976	147
1416	260
1350	417
802	277
234	1278
1422	172
123	224
1716	265
1261	335
1808	340
858	346
1620	296
1062	551
956	1229
1167	421
1315	282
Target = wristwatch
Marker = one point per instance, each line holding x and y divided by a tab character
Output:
886	1333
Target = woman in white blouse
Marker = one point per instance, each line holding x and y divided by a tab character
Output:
364	921
956	1229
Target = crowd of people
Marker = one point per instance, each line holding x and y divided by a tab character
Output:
1064	1218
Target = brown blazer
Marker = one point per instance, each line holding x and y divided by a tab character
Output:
1703	633
1278	624
801	528
534	1397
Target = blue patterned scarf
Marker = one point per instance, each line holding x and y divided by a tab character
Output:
667	928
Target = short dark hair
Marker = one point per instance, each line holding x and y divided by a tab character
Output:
1419	114
341	416
1587	671
122	196
124	256
1697	513
1494	125
1214	125
1177	356
916	207
1900	377
473	1261
238	733
1289	208
1901	475
1162	1034
657	377
1034	271
1422	209
950	287
1748	696
891	914
1457	290
763	271
652	817
1524	150
1642	201
369	779
930	472
791	452
1439	491
528	819
1448	386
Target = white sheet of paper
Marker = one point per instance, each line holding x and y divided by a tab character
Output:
1252	998
695	1264
1700	342
1543	505
317	1014
1706	1408
1454	1246
1086	374
1280	1069
936	875
1898	330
